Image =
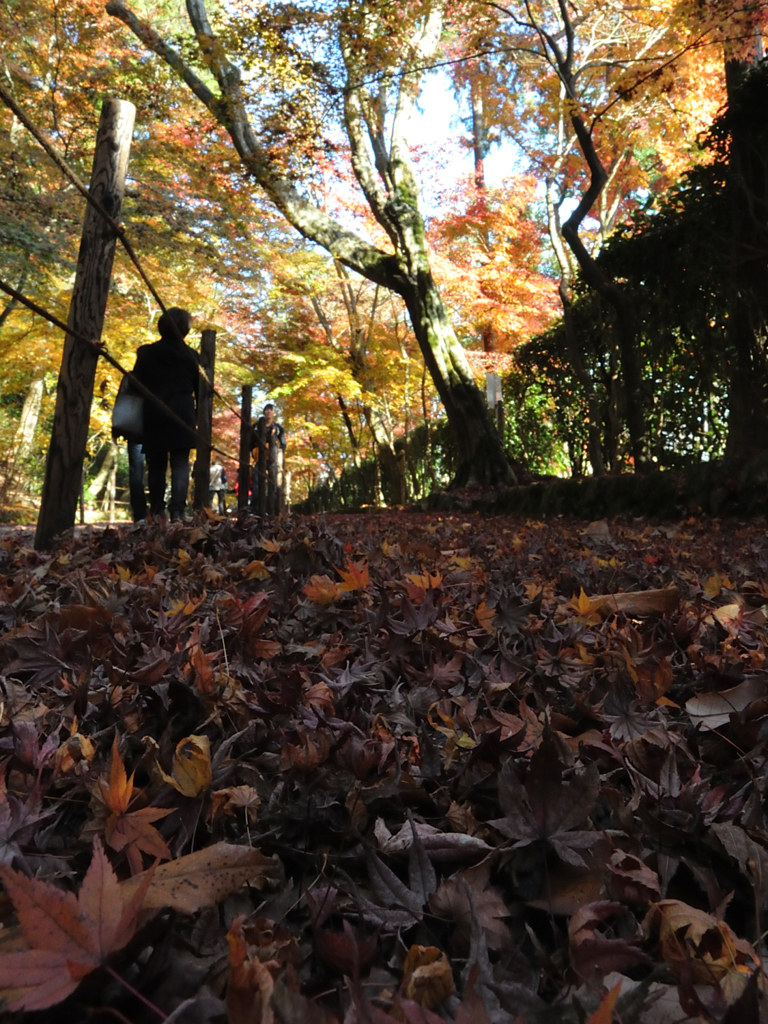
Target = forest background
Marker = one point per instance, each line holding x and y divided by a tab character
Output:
615	279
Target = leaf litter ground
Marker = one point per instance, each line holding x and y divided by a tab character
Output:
385	767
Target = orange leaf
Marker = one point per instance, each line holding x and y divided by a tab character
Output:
120	790
485	616
322	590
604	1013
356	576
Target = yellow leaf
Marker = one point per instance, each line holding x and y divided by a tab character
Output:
582	604
425	580
462	563
74	750
485	616
256	570
191	772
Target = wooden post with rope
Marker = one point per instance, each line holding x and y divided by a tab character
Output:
202	474
74	393
244	469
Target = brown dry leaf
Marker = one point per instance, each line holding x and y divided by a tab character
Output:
204	878
639	603
469	893
131	831
69	935
713	710
693	940
568	889
201	665
485	616
441	847
236	798
427	976
631	881
594	952
72	751
191	772
350	950
251	981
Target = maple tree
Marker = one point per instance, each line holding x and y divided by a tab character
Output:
605	103
59	62
359	45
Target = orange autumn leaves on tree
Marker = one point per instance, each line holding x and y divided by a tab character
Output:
487	255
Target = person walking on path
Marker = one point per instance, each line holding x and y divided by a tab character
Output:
218	486
268	442
169	368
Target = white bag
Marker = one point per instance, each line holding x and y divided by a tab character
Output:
128	413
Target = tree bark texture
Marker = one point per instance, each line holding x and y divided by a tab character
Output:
202	474
74	393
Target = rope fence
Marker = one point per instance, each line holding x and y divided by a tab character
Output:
100	350
120	232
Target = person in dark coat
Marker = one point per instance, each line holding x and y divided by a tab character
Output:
169	368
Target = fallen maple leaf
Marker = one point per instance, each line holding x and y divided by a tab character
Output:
695	941
251	981
69	935
131	831
594	951
355	576
322	590
544	808
469	894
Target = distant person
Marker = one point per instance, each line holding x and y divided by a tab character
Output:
218	485
169	368
267	436
137	496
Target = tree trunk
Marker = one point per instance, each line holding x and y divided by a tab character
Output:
481	456
244	468
22	440
74	393
202	472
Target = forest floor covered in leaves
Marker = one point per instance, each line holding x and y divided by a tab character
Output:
385	767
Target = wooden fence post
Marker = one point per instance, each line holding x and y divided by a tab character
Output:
244	469
202	474
74	394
